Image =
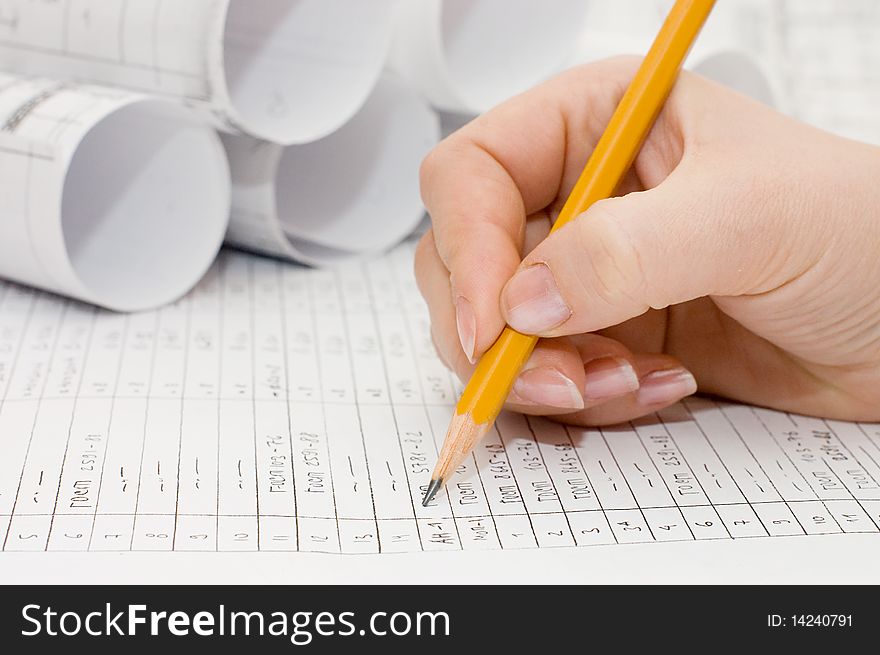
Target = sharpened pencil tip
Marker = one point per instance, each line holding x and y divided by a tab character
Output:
433	488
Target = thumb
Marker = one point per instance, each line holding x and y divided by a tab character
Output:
678	241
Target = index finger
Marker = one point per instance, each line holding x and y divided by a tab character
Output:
481	183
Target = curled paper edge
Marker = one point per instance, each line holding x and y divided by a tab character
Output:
129	228
327	213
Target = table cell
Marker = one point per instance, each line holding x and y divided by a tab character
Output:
668	524
850	516
198	533
778	519
153	532
741	521
590	528
478	533
237	533
552	530
704	522
112	532
515	531
439	534
318	535
358	536
399	536
629	526
70	532
28	533
814	517
278	533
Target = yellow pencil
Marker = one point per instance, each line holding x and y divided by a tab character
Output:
487	390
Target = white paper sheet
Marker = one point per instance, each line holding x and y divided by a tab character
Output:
291	410
349	195
166	422
107	196
831	63
289	72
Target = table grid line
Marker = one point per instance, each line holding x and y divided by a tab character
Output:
260	324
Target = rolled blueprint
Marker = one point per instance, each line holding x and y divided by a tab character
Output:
289	71
351	194
468	55
107	196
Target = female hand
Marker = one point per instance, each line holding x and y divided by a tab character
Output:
741	258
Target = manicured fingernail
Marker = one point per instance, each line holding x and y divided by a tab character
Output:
466	323
549	388
534	302
609	377
664	387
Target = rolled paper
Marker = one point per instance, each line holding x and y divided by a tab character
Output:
282	70
468	55
108	196
350	194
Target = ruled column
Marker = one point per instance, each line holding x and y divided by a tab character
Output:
459	516
759	481
818	456
317	528
23	420
358	530
733	507
86	449
156	506
16	309
278	529
113	527
627	523
196	519
396	505
809	510
584	512
237	508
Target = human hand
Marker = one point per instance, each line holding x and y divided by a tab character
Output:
741	258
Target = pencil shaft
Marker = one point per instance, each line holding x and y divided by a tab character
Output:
637	110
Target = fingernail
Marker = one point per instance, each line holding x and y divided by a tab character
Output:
609	377
466	323
549	388
664	387
534	302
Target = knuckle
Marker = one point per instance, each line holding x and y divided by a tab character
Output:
432	165
427	167
425	252
425	248
614	268
437	349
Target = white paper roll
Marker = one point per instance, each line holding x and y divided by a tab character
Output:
107	196
351	194
290	71
468	55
